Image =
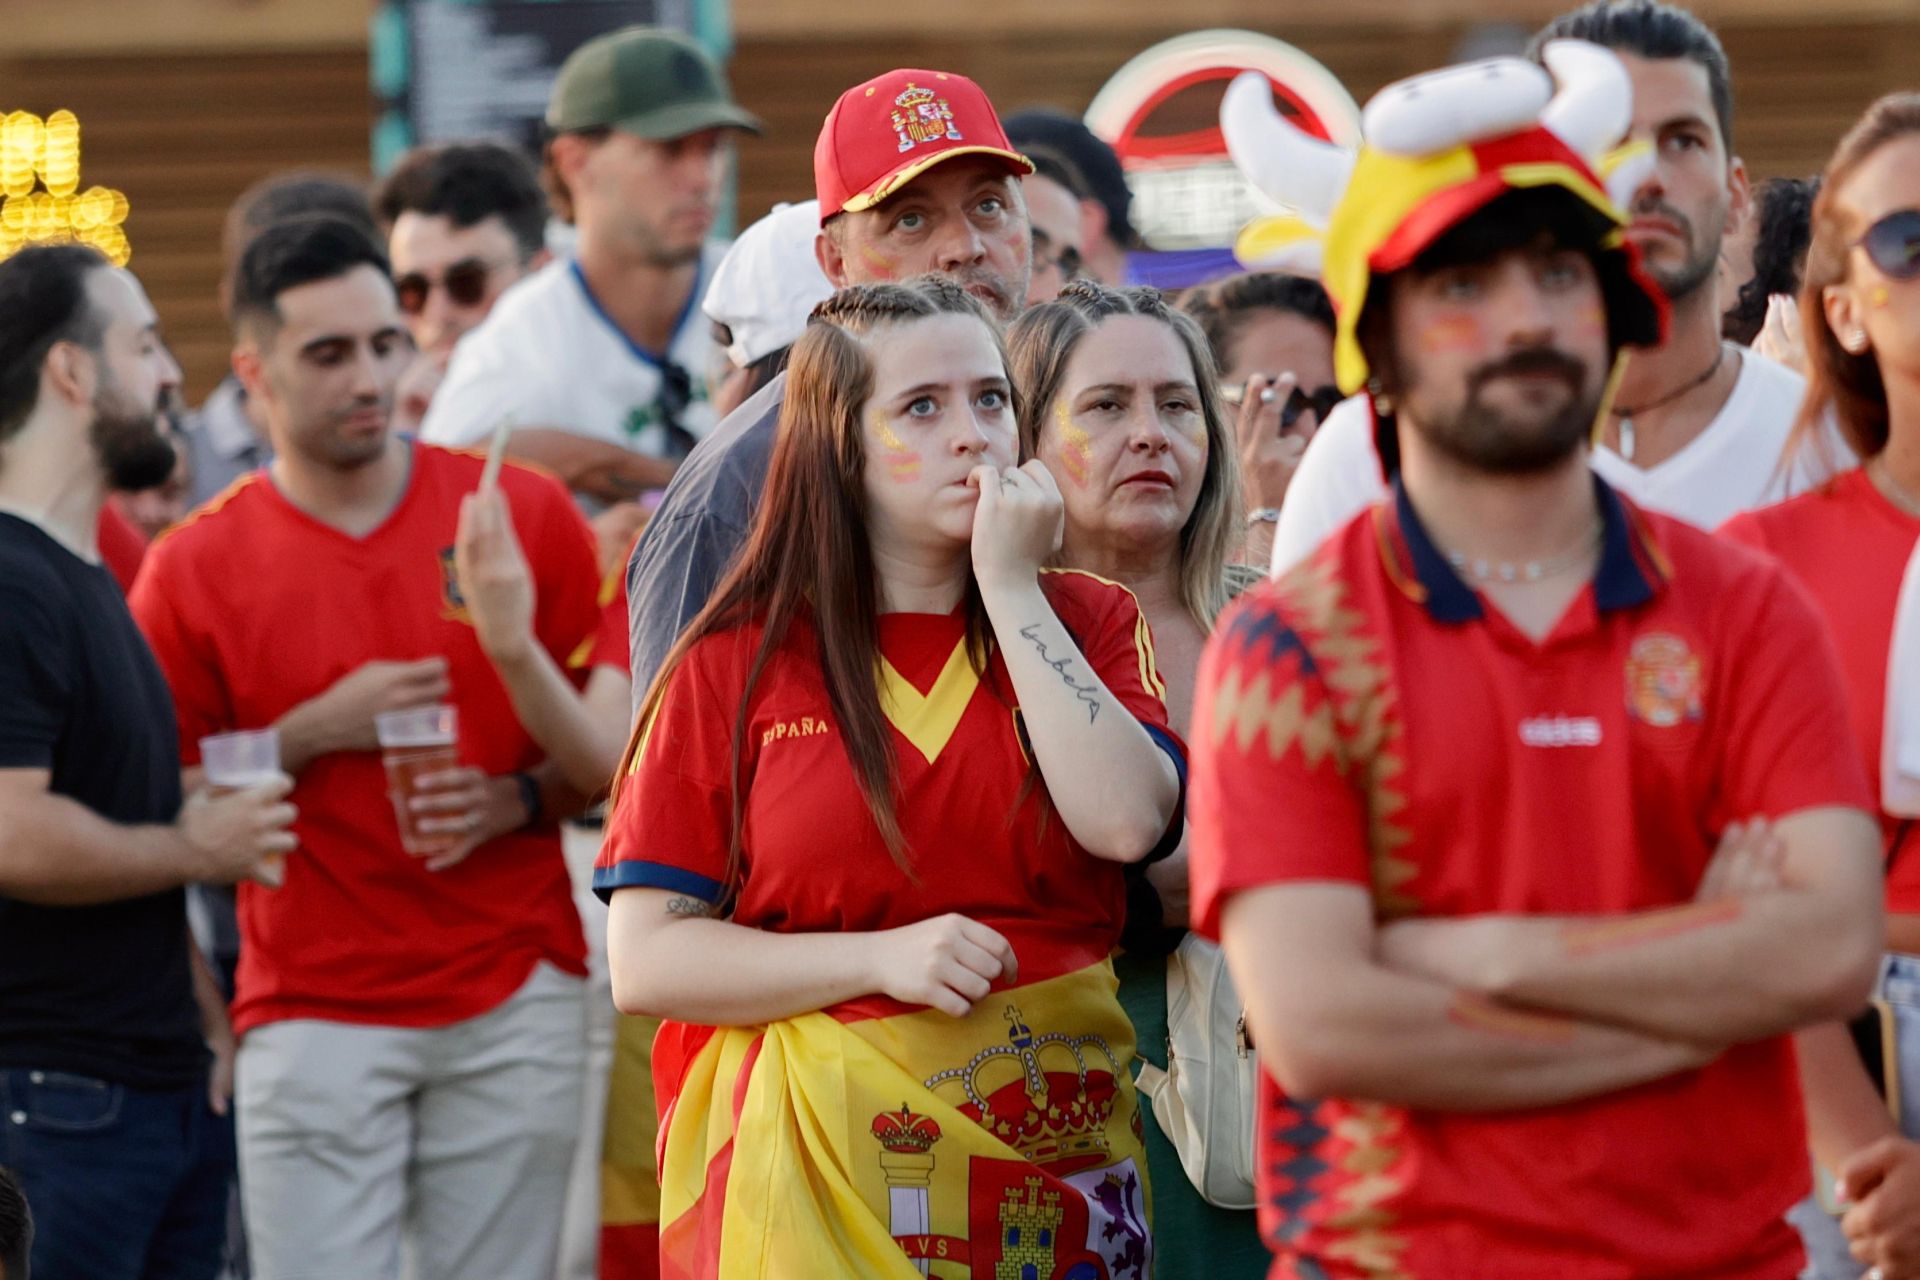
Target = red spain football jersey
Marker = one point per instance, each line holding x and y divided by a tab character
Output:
980	838
1848	546
1369	719
253	607
610	644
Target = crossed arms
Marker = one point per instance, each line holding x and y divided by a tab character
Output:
1491	1013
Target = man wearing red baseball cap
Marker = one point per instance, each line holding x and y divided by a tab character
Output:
915	175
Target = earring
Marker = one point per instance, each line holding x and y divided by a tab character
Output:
1855	342
1382	402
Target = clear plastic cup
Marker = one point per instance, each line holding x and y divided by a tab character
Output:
415	743
236	761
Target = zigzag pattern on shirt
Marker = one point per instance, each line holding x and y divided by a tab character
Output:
1366	709
1249	709
1367	1243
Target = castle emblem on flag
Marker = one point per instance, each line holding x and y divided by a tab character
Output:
919	115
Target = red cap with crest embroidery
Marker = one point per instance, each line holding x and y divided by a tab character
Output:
882	134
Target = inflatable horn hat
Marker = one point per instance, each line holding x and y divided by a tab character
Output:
1437	148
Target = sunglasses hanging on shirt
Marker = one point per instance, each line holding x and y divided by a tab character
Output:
676	393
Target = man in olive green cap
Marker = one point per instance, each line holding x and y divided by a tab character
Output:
600	361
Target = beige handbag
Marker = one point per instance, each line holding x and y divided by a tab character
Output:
1204	1100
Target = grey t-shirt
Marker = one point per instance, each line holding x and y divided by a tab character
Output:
222	444
702	522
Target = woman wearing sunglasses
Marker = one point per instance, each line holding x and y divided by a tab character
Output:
1849	542
1125	410
1272	340
866	854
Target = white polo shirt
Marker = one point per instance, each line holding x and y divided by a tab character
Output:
548	355
1730	467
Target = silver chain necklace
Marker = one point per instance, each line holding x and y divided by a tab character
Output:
1481	569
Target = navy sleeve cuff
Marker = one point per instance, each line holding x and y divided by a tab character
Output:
653	875
1177	825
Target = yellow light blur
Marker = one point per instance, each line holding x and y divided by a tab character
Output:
40	197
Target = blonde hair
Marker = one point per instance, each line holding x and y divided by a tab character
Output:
1041	344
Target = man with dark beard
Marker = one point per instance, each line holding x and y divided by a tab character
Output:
1524	815
409	1006
1698	426
107	1113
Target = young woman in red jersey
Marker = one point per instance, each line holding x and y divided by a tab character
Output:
1849	543
866	854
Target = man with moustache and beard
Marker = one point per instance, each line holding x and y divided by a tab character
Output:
410	1013
1698	426
109	1114
1525	816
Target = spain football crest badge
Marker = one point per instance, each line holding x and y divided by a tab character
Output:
1663	680
920	115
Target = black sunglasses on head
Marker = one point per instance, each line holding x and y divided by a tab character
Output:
1893	243
465	282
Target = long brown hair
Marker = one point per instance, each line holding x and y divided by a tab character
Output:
1849	383
809	553
1042	342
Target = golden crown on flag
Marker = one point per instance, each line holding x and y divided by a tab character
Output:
913	96
1051	1117
905	1132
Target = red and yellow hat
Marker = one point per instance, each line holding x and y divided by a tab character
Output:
882	134
1439	148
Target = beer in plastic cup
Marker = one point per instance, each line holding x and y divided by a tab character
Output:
414	744
236	761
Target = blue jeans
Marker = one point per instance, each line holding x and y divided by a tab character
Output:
124	1184
1899	987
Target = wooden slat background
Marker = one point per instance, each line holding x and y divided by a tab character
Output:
183	133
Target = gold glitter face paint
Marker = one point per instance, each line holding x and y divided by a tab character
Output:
878	264
1077	446
902	462
1196	426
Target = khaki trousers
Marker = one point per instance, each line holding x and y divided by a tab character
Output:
444	1150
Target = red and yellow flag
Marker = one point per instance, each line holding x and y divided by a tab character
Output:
873	1141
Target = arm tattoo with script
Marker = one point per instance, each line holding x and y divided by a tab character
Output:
1088	694
689	907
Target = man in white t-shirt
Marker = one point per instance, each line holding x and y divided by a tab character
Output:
1698	426
599	361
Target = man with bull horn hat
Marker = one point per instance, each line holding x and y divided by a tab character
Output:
1525	817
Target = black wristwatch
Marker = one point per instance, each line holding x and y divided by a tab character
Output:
530	797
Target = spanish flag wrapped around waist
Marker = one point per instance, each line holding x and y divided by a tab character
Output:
877	1139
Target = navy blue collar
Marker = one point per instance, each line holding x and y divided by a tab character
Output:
679	322
1621	582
